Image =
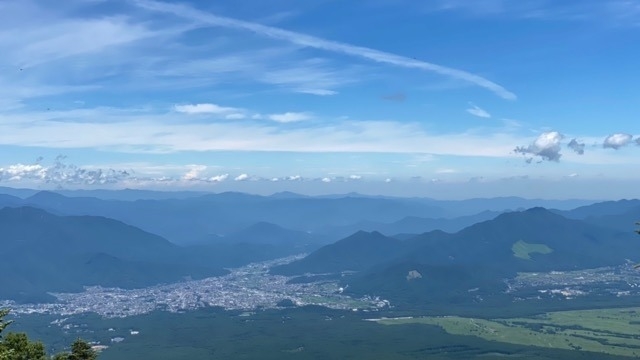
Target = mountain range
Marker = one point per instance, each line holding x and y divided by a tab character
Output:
442	266
42	253
411	249
192	218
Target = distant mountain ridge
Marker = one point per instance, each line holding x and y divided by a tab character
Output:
479	256
354	253
42	252
191	219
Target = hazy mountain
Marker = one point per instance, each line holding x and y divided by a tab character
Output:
271	234
42	252
17	192
194	219
8	200
625	221
574	243
500	204
287	195
354	253
479	256
600	209
483	254
131	194
413	225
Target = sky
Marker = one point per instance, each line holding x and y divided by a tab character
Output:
441	98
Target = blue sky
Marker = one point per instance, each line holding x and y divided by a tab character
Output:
442	98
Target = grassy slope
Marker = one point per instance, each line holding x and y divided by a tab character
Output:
523	250
609	331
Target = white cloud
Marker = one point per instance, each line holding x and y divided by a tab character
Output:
146	132
72	37
207	109
194	172
477	111
388	180
620	12
319	92
326	180
20	171
616	141
289	117
321	44
235	116
61	173
310	76
242	177
219	178
355	177
295	178
546	146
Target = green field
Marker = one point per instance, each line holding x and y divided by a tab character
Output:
524	250
608	331
296	333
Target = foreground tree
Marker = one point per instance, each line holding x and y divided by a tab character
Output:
3	323
80	350
17	346
637	232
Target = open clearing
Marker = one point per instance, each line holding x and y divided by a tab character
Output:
524	250
610	331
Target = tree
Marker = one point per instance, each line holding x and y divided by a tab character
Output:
17	346
637	266
80	350
3	322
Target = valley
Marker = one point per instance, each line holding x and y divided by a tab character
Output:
247	288
115	283
609	331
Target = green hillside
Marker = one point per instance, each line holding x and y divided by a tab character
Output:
523	250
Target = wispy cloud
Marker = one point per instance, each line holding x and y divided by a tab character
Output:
151	132
206	109
322	44
618	12
289	117
477	111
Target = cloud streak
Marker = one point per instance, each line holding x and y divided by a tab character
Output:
478	111
322	44
195	109
289	117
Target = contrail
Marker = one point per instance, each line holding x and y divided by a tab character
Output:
322	44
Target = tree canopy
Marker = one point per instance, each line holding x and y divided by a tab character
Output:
17	346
